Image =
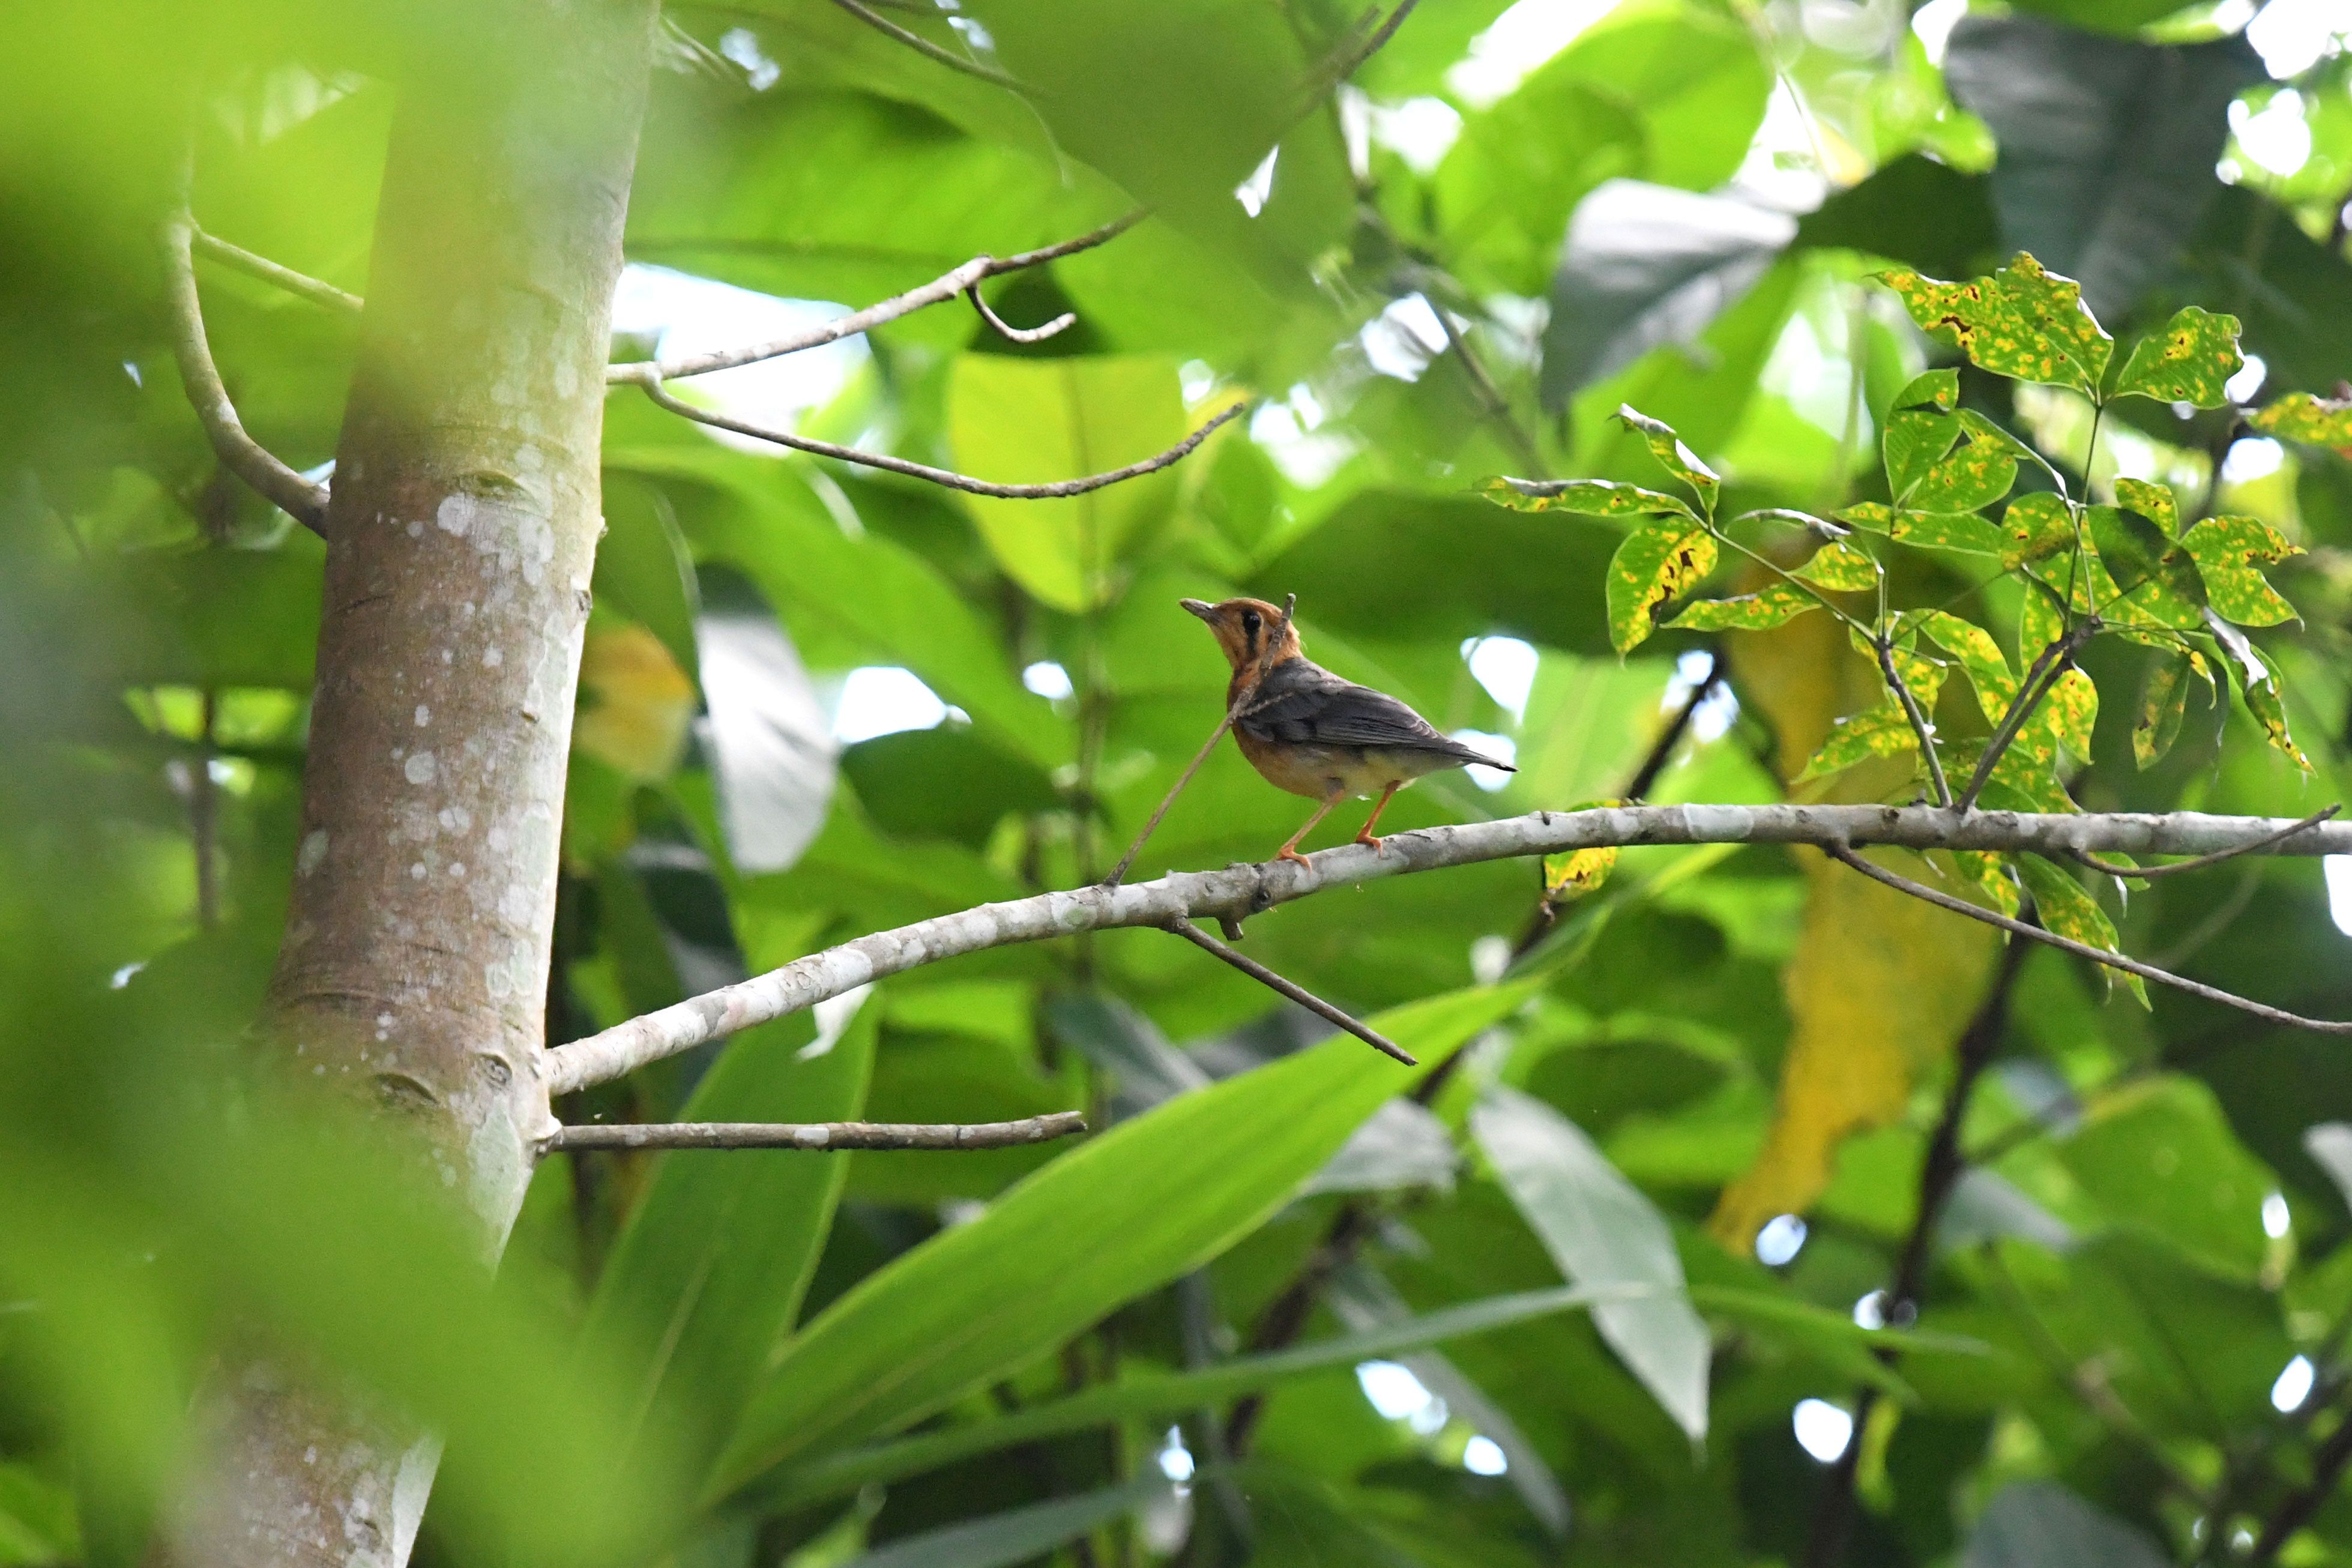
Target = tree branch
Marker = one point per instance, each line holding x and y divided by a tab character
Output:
1240	891
1012	334
816	1136
1053	490
2202	861
924	46
239	452
1920	728
2326	1469
270	272
939	291
1297	993
2051	663
1840	853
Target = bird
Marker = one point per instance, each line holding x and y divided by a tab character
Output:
1314	733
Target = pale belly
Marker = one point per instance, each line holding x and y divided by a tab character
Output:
1320	772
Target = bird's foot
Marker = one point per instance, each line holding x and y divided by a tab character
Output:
1377	842
1287	854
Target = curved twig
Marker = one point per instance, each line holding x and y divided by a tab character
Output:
1054	490
271	272
1297	993
939	291
2202	861
819	1136
1921	729
923	46
1845	855
1007	330
2046	669
239	453
1240	891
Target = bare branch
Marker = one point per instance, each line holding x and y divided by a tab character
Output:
923	46
1053	490
239	452
816	1135
2202	861
270	272
939	291
1007	330
1297	993
1845	855
1240	891
1920	729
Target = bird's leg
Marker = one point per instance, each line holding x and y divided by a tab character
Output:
1290	851
1368	836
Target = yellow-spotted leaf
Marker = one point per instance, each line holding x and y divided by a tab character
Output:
1924	676
2072	709
1841	567
1580	871
2266	700
1931	531
2068	910
2034	527
2023	321
1881	731
2039	624
2229	552
1985	874
1915	442
1592	498
2299	416
1772	607
1673	457
2152	501
2190	361
1980	658
1976	473
2156	577
1653	565
2163	701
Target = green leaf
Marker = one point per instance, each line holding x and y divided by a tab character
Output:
1017	1535
2068	910
2300	417
2034	527
2130	546
2229	552
2266	700
2190	361
1936	389
1975	474
2161	1157
1600	1230
2163	702
1774	606
1960	530
2072	709
1915	442
1841	567
1881	731
2022	321
1653	565
1592	498
2153	502
708	1272
1123	1214
1673	457
1026	421
1980	658
644	568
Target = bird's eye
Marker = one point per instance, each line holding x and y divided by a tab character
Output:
1250	622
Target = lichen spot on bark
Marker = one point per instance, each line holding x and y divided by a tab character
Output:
420	768
312	854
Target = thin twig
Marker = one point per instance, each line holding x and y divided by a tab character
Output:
939	291
819	1136
2202	861
1919	725
2082	950
2292	1514
204	814
923	46
1233	712
270	272
2045	670
1007	330
1347	60
239	452
945	478
1297	993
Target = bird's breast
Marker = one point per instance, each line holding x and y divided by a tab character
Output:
1319	772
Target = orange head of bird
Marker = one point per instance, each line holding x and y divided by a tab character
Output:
1244	628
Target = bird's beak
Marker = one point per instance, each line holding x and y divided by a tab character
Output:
1199	608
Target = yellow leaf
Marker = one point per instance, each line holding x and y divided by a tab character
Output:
636	704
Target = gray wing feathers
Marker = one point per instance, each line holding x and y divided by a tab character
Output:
1302	703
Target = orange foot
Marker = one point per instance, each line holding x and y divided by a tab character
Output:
1286	853
1379	845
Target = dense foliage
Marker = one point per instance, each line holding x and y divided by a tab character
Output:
1647	1277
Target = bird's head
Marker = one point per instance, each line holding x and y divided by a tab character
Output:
1242	626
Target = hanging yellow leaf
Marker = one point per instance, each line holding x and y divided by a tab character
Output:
636	703
2164	701
2266	700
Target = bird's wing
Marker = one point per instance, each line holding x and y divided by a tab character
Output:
1302	703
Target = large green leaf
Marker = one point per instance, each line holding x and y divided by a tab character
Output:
2161	1158
1018	1535
1029	421
1126	1212
2041	1524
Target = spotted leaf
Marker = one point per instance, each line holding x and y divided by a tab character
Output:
1961	531
1979	658
1976	473
2148	571
2229	552
1673	457
1841	567
2034	527
2190	361
2163	702
1653	565
1920	428
1981	873
2266	700
2067	909
2022	321
1592	498
2152	501
1773	606
1580	871
2071	712
2299	416
1880	731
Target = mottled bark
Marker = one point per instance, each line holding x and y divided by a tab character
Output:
461	530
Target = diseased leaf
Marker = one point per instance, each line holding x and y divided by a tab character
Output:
2190	361
1936	389
1938	530
2266	700
1673	457
2069	911
2072	709
2034	527
2022	321
1986	872
2229	551
2163	702
1580	871
2152	501
1653	565
1975	474
1980	658
1915	440
2143	561
2300	417
1777	605
1592	498
1841	567
1881	731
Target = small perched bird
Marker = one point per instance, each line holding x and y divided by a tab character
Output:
1312	733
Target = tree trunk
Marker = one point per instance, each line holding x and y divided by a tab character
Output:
462	531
